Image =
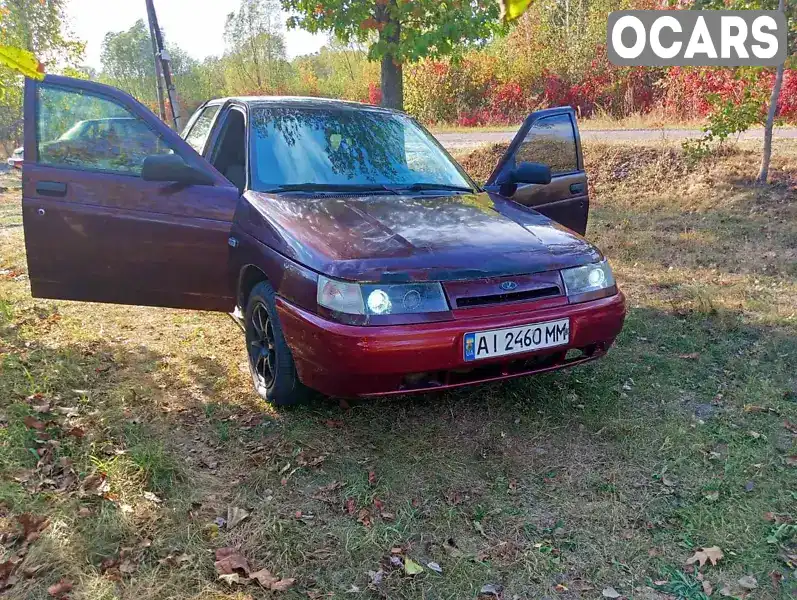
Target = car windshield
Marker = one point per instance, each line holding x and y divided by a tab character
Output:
345	148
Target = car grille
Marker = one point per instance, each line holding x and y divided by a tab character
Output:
492	291
546	292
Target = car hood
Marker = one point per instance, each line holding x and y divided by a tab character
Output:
413	238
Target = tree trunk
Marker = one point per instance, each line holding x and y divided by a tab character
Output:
392	83
763	174
392	69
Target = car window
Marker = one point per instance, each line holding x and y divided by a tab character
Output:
550	141
198	135
81	130
343	146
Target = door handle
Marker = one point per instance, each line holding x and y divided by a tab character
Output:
51	188
578	188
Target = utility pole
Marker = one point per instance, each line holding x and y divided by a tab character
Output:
158	74
163	55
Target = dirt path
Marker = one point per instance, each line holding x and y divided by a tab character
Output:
460	140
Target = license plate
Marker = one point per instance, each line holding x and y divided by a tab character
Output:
514	340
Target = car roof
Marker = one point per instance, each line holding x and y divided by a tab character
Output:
302	102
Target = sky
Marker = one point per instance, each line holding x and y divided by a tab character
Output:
197	26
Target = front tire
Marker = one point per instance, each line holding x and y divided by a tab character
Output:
270	361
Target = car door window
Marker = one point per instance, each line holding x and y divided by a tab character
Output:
199	133
551	141
80	130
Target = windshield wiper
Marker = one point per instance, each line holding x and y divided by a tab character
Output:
332	188
417	187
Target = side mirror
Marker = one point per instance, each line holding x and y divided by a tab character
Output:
529	172
525	172
172	168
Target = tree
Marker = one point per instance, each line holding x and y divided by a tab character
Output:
128	63
255	45
763	173
399	31
791	27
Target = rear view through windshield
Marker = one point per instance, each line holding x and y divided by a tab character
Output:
295	146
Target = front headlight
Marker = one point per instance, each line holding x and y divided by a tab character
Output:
377	299
594	281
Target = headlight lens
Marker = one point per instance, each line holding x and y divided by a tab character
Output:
589	278
376	299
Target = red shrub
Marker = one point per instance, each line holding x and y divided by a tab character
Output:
374	94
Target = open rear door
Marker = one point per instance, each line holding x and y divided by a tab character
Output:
549	137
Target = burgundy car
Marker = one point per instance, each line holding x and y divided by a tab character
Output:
359	257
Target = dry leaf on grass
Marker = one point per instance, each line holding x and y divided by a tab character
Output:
32	526
34	423
235	515
229	560
707	589
411	567
610	592
59	589
233	578
712	554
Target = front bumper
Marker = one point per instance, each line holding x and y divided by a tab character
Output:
346	360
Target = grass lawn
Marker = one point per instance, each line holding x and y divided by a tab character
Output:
135	433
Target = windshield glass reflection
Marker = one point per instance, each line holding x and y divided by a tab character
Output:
292	146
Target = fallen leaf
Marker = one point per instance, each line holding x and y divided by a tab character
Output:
59	589
775	578
707	589
610	592
411	567
235	515
790	426
41	408
434	567
492	590
726	590
229	560
76	432
791	461
282	585
712	554
560	587
233	578
128	567
34	423
748	582
264	578
152	497
372	477
32	526
376	577
690	356
333	423
364	517
351	506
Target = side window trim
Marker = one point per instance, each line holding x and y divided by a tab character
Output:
192	125
96	94
216	136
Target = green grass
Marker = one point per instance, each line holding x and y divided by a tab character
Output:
611	474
